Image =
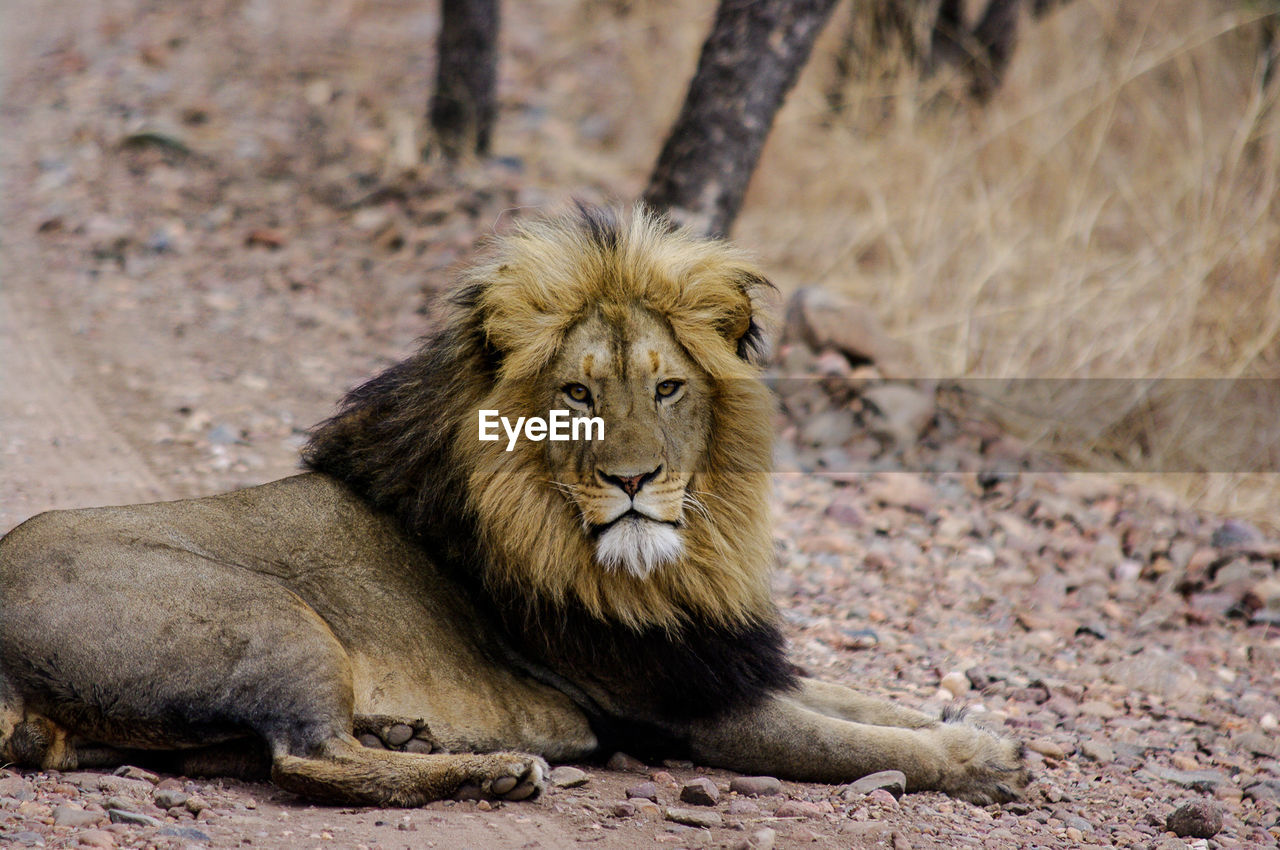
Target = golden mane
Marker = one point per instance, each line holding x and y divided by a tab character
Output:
510	317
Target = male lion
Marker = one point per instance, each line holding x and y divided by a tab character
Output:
476	609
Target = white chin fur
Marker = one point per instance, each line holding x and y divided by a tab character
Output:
638	546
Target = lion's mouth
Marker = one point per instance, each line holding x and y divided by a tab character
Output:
632	514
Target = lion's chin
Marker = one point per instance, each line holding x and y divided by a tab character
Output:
638	545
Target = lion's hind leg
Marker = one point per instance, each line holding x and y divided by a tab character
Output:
343	771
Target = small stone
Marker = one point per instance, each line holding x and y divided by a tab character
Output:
1197	780
1073	835
1234	532
484	806
565	776
893	782
122	816
883	797
190	833
167	798
1197	819
643	791
399	734
195	804
694	817
1266	791
12	785
755	786
796	809
661	777
67	816
128	771
1077	822
761	839
743	808
96	838
623	810
622	761
1098	751
956	683
700	792
1046	748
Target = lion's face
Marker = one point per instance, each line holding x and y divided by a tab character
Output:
631	489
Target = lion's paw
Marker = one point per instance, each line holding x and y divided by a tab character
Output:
380	731
505	776
982	766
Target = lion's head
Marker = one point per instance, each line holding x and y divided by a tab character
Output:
616	316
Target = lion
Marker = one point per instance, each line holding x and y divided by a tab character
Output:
423	613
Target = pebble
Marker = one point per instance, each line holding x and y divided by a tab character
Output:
96	838
883	797
755	786
761	839
1198	780
693	817
623	810
67	816
700	792
12	785
1197	819
1046	748
893	782
565	776
643	791
1098	751
123	816
168	798
622	761
743	808
955	683
190	833
797	809
128	771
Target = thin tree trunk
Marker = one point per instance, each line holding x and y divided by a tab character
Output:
748	64
464	104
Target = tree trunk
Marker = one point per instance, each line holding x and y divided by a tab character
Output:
463	106
749	62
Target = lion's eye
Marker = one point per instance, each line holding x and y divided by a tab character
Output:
578	393
668	388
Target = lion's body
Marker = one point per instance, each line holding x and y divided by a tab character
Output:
477	609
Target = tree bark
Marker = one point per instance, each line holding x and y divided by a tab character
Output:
464	104
748	64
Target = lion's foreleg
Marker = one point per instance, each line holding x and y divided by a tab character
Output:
345	772
847	704
785	738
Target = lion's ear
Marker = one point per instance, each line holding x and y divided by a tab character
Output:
748	327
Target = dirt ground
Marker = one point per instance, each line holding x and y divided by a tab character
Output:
212	226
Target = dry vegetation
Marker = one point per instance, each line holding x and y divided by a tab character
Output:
1113	212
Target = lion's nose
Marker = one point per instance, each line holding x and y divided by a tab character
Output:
630	484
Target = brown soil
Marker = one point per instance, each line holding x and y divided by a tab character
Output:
210	231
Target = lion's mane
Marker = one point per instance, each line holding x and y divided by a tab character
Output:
698	635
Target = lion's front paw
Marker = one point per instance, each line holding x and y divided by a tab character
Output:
983	767
505	776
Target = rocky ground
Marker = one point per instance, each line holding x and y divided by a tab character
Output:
207	238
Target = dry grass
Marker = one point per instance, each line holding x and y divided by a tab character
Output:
1112	213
